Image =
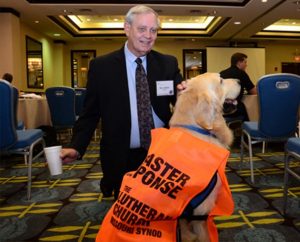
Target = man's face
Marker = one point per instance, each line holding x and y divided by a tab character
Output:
141	34
242	64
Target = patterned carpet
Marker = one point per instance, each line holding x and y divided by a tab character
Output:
69	207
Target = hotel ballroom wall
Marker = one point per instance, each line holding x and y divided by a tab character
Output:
56	56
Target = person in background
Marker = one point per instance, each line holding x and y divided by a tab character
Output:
8	77
237	70
112	98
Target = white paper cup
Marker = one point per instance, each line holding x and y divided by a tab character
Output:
53	159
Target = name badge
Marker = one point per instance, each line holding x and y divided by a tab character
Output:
165	88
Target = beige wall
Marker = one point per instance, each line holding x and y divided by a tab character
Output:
10	48
277	52
56	57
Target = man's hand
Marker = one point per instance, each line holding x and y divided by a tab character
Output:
68	155
180	87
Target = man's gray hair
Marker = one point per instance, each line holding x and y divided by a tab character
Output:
140	9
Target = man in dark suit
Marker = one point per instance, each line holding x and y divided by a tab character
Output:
111	97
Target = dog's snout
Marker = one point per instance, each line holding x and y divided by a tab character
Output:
232	88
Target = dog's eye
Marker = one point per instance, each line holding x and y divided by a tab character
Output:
221	80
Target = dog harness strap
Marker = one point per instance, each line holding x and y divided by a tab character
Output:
197	200
197	217
195	128
203	195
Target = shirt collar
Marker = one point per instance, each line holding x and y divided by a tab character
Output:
131	57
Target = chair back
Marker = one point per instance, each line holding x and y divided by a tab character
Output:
8	135
279	98
61	102
79	99
16	102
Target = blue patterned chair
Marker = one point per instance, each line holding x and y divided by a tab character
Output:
61	101
79	99
292	150
19	123
278	98
13	141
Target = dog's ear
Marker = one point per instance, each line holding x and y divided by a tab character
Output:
207	110
187	98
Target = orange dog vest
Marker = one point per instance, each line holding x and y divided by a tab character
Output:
177	168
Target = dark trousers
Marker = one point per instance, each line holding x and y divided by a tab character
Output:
134	160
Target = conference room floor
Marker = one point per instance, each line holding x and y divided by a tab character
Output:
70	207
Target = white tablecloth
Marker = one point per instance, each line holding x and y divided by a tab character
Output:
34	112
251	104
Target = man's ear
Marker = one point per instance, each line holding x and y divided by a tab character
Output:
127	28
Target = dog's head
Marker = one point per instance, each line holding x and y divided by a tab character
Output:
201	103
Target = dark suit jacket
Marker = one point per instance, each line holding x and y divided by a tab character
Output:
245	82
107	98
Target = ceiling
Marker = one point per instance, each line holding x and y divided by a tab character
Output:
235	20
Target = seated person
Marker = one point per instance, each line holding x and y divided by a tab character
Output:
8	77
237	71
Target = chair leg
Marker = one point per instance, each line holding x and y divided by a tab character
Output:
251	158
30	160
25	159
29	173
249	147
242	149
263	147
285	182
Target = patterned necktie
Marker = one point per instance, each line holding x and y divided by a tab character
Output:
143	105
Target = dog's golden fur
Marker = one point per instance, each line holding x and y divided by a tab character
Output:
200	104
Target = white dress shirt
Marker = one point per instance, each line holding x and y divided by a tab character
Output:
131	68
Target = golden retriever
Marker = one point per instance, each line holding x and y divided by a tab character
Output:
147	207
200	104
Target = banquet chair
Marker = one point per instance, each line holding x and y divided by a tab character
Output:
13	141
278	99
292	150
79	99
19	123
61	102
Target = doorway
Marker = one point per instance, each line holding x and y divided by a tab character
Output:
290	67
80	60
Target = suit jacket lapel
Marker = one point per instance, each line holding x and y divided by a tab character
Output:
152	74
152	69
121	61
123	84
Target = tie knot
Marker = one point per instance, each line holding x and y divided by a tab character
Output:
138	61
